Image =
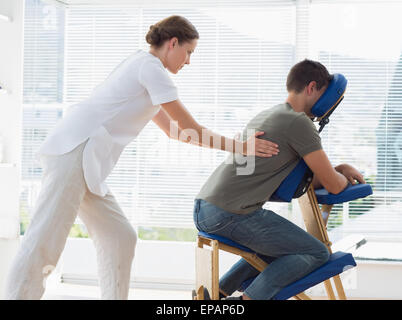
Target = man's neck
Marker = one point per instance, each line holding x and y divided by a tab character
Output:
297	102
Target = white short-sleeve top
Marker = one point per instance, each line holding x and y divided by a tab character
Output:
112	116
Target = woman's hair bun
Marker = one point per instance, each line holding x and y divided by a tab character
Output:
173	26
153	35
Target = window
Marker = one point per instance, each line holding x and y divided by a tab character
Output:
365	130
239	68
42	92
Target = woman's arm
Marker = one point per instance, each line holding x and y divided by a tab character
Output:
165	123
178	123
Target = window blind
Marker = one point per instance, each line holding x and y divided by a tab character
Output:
239	68
42	92
365	131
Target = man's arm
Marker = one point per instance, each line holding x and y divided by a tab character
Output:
324	173
350	173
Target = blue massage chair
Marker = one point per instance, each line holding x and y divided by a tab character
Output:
296	185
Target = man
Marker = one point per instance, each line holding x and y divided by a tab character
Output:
230	204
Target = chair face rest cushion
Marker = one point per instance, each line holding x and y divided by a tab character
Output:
352	192
331	96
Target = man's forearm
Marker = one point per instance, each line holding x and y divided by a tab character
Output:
316	183
342	181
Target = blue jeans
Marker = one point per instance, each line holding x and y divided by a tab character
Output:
290	251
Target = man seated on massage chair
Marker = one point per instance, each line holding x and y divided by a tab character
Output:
230	204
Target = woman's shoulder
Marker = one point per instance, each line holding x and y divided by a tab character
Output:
149	60
138	62
140	57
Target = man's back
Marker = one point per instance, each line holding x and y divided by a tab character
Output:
231	189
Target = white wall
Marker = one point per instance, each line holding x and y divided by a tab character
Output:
156	264
162	264
11	62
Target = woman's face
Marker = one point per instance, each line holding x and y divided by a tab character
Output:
179	55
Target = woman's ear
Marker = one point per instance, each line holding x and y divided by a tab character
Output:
173	42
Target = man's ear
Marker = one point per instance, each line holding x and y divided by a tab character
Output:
310	87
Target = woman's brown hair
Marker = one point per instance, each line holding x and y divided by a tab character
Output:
170	27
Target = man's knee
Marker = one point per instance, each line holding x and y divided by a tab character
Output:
322	254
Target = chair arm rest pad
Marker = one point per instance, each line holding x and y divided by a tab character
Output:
352	192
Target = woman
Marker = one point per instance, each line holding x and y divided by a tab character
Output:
83	148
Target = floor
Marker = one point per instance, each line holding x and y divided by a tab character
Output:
56	290
66	291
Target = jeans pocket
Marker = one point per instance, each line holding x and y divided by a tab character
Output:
213	225
212	219
247	227
242	234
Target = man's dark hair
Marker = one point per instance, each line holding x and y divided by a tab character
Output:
303	72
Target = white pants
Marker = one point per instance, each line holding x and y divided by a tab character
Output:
64	194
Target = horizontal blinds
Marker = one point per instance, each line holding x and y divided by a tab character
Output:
240	65
365	131
43	53
237	70
42	92
172	4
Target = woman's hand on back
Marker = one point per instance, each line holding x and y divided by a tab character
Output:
259	147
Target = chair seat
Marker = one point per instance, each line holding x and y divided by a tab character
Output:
337	263
224	240
352	192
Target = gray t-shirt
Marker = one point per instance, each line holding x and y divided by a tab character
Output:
229	188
